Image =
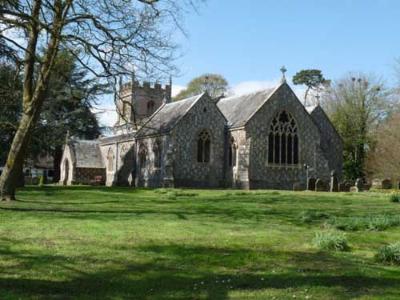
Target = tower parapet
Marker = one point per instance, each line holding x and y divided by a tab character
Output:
138	101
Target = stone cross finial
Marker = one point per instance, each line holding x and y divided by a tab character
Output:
283	70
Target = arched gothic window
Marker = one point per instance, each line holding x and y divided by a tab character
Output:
150	107
157	154
142	156
232	152
110	160
283	140
203	147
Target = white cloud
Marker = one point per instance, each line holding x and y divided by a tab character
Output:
106	115
105	111
247	87
176	89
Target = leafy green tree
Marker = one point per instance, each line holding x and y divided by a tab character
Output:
312	79
10	106
215	85
67	108
106	37
356	105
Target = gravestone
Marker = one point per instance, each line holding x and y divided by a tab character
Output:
334	185
297	186
377	183
311	184
320	185
358	187
387	184
344	186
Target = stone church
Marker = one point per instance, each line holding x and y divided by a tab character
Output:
260	140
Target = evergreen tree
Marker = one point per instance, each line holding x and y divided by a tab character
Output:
66	108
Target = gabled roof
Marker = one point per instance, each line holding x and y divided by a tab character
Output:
316	112
239	109
167	116
87	153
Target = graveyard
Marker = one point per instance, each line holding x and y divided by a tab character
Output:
115	243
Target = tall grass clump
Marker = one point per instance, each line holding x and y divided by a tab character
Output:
331	240
389	254
395	197
373	223
308	216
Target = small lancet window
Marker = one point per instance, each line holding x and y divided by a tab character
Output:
203	147
283	140
232	153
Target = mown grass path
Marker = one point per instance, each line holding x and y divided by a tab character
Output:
120	243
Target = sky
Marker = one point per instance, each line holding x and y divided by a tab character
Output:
248	41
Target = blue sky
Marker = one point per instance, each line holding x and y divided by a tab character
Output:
247	41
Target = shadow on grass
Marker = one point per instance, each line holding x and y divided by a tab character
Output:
187	272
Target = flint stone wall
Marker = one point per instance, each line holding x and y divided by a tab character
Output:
204	115
263	175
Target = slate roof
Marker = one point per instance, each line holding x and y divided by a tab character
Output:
87	154
239	109
167	116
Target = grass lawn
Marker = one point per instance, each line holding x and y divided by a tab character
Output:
117	243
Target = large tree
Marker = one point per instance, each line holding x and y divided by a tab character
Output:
106	37
10	106
66	109
356	105
384	157
215	85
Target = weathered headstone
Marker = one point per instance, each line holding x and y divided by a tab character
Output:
358	187
376	183
297	186
386	184
334	184
320	185
311	184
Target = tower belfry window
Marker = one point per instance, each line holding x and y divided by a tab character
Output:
150	107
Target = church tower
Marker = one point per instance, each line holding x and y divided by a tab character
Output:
137	102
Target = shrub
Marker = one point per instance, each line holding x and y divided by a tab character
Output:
389	254
308	216
395	197
331	240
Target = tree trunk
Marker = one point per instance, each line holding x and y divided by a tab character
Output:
33	95
10	177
